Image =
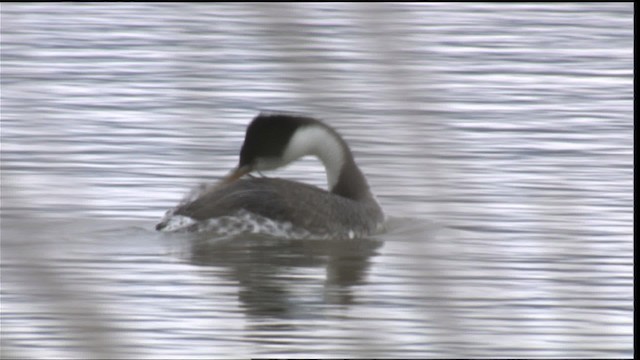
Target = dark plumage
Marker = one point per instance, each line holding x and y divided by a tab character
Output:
304	206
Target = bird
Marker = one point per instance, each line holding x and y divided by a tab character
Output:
347	209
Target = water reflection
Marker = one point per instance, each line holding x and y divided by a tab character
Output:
268	269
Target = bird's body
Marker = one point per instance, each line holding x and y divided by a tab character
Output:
347	210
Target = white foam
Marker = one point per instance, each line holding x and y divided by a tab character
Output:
242	222
176	222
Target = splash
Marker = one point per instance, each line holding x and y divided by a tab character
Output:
242	222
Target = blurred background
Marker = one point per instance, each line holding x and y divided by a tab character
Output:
498	139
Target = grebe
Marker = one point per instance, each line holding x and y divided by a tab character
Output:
348	209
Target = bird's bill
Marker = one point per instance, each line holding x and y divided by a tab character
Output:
235	174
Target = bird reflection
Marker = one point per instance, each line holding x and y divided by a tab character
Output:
272	273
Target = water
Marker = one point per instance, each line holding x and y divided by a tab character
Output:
498	138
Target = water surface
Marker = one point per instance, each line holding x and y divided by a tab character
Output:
498	139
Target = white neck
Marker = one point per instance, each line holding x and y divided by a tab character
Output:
320	142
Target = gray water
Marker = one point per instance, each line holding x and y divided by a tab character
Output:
497	137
